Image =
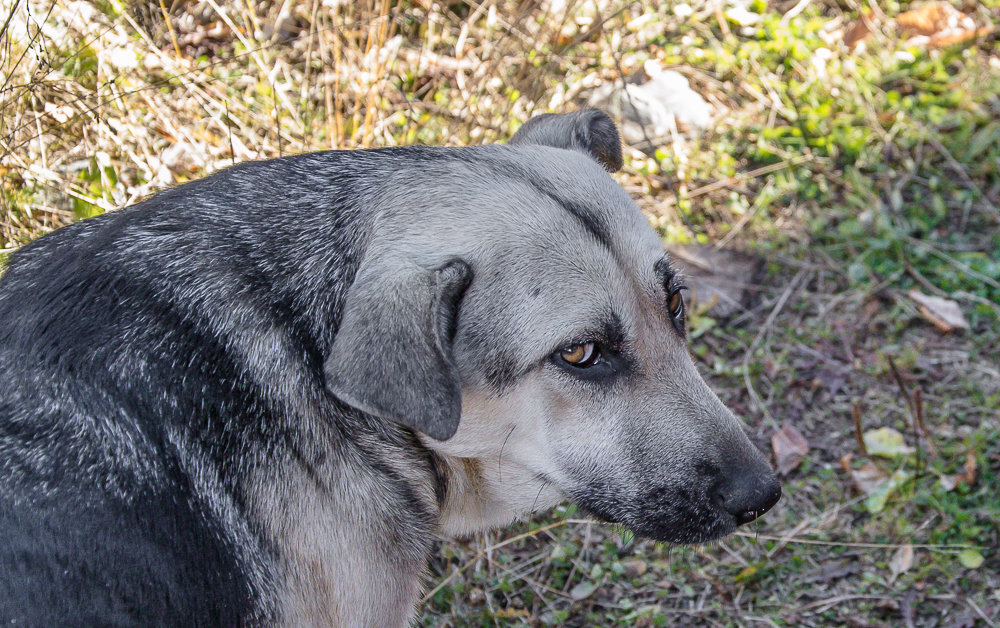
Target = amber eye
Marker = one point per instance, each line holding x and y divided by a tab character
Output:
676	304
582	355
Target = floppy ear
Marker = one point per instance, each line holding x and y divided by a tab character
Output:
589	131
392	355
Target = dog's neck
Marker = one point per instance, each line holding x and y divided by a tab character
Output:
480	494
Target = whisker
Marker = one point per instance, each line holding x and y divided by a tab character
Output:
500	457
537	495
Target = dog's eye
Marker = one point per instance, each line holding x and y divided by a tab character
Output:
676	304
582	355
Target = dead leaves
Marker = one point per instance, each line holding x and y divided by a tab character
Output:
582	590
511	613
858	31
635	567
886	442
868	478
832	570
968	476
871	481
790	448
901	561
932	25
944	314
877	485
938	25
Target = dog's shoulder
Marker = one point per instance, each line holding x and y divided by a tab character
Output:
169	563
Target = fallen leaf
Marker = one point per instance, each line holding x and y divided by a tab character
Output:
634	567
901	561
582	591
962	620
944	314
563	39
970	558
868	478
886	442
938	24
949	482
875	503
790	447
858	31
931	18
845	462
969	477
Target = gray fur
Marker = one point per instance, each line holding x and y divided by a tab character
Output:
588	131
392	354
333	359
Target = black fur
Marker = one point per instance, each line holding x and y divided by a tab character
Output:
188	331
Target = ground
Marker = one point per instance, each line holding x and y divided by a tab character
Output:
850	152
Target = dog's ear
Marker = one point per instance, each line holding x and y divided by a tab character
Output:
589	131
392	355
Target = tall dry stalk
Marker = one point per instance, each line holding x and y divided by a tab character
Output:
103	104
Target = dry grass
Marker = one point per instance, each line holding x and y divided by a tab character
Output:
106	103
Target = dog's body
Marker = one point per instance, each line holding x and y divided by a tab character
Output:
238	402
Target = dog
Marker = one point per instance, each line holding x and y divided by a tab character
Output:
259	397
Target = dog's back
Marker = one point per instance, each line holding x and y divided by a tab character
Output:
116	343
98	523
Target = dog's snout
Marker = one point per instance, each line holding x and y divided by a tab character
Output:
747	496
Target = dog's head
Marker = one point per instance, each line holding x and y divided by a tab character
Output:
516	308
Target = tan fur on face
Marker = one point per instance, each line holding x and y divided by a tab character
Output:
493	464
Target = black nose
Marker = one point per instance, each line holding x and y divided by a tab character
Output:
748	495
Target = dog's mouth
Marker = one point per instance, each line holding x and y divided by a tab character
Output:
684	529
667	514
686	526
